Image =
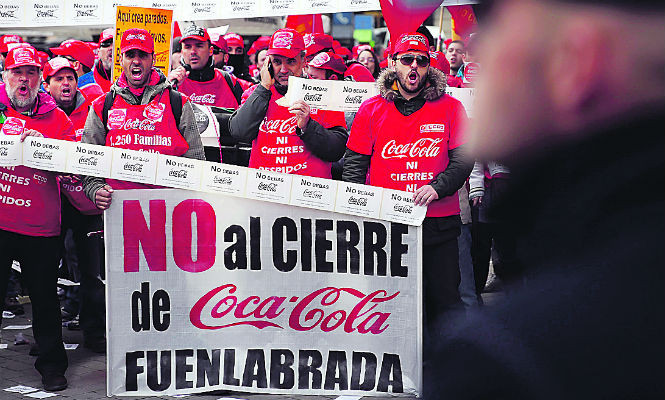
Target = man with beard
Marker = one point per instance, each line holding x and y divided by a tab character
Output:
30	210
412	122
103	69
165	121
310	139
199	79
79	214
455	56
83	59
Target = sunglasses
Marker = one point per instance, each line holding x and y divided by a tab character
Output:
422	61
216	51
107	43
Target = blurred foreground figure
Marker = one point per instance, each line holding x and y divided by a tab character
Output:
572	99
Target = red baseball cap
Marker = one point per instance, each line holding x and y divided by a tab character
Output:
329	61
343	52
357	49
218	41
56	64
263	42
412	41
195	32
359	72
235	40
315	42
6	39
107	34
139	39
286	42
438	60
43	57
76	49
20	56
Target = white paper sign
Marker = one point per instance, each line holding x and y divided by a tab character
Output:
224	178
268	186
12	12
328	95
134	166
84	11
241	8
356	199
281	7
398	206
465	96
311	192
179	172
88	159
10	150
43	153
45	12
200	9
207	125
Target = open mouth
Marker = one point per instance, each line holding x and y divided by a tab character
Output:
23	90
412	77
137	73
66	92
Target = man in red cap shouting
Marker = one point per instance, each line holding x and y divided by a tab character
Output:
103	70
294	139
30	208
410	138
141	106
83	59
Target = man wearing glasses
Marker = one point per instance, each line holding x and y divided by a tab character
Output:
199	79
102	71
410	138
83	59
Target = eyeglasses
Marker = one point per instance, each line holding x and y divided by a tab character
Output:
217	51
107	43
422	61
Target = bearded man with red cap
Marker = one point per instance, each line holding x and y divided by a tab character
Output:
308	138
103	70
142	106
410	137
30	209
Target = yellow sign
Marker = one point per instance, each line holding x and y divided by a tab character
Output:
156	21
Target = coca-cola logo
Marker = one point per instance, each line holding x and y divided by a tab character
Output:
43	155
24	55
116	118
154	111
92	161
207	98
133	167
13	126
358	201
222	181
282	40
269	187
423	147
401	208
4	152
140	124
309	39
135	36
471	71
320	60
278	126
178	173
327	309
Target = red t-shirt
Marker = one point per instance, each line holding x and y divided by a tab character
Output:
30	198
215	92
409	151
146	127
278	148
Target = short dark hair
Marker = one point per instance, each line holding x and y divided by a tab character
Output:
422	29
329	73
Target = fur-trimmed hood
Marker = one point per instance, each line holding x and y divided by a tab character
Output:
435	86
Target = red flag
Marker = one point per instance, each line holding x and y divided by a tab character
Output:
465	20
406	15
308	23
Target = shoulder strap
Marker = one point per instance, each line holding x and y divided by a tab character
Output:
176	104
108	103
236	89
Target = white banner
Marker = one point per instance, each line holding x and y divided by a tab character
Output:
208	292
328	94
466	96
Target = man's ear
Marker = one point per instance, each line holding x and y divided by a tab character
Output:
226	58
46	86
333	78
577	66
154	59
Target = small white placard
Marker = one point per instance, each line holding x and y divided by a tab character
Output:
89	159
20	389
328	95
200	10
241	8
45	12
134	166
47	154
224	178
41	395
268	186
10	150
179	172
356	199
312	192
397	206
84	11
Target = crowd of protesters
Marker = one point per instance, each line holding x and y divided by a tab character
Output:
71	96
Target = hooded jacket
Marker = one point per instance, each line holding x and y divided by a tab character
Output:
95	132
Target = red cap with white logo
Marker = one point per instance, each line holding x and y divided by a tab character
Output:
21	56
76	49
315	42
137	39
56	64
286	42
6	39
107	34
235	40
329	61
411	42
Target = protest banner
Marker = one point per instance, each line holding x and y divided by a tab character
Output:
208	292
328	94
156	21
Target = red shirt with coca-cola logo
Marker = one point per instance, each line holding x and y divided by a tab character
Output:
408	152
215	92
147	127
278	148
30	198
